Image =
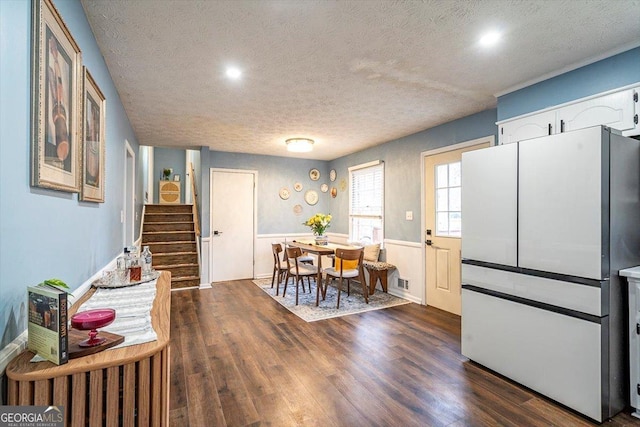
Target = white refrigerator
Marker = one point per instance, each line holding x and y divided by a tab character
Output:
546	225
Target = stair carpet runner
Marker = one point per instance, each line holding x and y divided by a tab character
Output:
168	230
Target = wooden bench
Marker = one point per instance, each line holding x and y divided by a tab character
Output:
377	271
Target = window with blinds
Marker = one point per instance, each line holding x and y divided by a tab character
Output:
366	206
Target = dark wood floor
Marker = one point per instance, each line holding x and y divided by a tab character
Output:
238	358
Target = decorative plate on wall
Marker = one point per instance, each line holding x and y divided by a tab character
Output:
334	192
324	188
314	174
332	175
297	209
297	186
284	193
311	197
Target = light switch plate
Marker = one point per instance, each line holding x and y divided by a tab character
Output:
409	215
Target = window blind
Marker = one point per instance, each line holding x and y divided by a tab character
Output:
367	188
366	203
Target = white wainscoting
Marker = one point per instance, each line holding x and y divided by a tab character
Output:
407	257
205	263
263	266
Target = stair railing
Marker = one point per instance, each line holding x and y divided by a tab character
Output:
196	221
194	192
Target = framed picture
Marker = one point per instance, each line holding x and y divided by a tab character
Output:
56	67
93	140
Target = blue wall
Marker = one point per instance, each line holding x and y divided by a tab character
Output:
274	214
48	233
402	168
610	73
170	158
402	180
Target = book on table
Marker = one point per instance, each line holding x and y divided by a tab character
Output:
47	324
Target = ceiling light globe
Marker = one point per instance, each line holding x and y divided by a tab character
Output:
299	145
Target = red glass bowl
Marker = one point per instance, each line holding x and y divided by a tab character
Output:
91	320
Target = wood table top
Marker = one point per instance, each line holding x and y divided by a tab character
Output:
21	369
327	249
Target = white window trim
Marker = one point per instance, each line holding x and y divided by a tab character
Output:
364	166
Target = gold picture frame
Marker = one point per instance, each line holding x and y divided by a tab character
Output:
93	140
56	66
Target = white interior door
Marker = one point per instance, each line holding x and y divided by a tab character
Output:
443	220
232	224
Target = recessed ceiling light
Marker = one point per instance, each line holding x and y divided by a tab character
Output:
490	38
234	73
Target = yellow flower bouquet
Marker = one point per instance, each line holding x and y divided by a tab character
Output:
318	223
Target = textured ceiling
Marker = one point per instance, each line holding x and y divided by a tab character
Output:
349	74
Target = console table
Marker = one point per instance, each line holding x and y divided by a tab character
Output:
124	386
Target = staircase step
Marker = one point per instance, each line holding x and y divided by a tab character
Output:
167	217
180	270
167	226
158	248
155	208
167	236
168	230
185	282
173	258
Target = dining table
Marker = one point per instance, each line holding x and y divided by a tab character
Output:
320	251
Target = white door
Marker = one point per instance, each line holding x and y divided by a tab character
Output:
443	220
232	224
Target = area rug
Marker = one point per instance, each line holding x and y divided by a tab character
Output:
307	310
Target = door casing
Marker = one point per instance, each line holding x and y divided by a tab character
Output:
211	207
467	144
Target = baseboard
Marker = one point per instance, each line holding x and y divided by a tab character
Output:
15	347
205	286
406	296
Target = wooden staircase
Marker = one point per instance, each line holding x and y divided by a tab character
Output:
169	231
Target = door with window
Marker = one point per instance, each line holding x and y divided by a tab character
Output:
443	220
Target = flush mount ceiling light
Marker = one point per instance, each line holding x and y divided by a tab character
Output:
490	39
299	145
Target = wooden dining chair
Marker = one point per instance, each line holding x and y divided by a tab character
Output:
298	270
279	270
348	265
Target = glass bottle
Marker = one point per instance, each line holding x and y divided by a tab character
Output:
147	258
121	262
135	267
